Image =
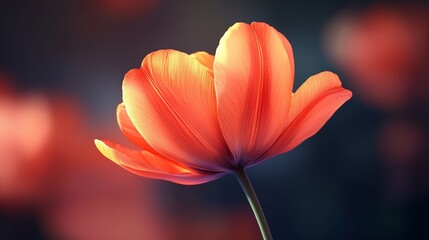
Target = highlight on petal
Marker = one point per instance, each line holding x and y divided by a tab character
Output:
312	105
205	59
253	70
288	47
128	129
171	102
153	165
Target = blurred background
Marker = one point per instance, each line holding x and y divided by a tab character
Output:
365	175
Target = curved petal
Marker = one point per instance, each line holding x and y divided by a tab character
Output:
128	129
253	82
312	105
152	165
171	102
288	47
205	59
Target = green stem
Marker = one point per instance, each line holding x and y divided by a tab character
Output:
254	203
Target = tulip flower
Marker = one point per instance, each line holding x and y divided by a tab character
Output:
198	117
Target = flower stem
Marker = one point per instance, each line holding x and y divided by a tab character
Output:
254	203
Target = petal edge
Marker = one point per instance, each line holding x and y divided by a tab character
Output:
144	164
312	106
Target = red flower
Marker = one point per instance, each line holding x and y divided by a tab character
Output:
197	117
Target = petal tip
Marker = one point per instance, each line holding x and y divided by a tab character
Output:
100	145
260	23
97	142
330	74
348	94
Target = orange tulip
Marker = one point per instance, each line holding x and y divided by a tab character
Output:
197	117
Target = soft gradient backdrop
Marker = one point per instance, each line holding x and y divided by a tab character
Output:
365	175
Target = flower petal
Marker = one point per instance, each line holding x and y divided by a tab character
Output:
312	106
288	47
128	129
152	165
171	102
253	82
205	59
